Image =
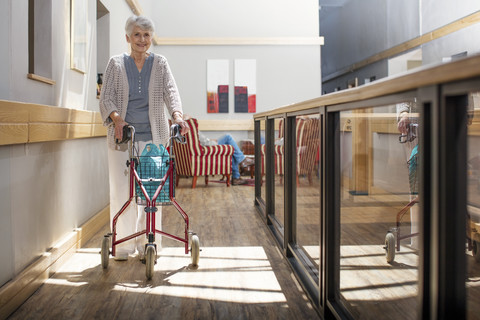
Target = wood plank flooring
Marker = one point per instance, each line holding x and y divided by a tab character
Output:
241	274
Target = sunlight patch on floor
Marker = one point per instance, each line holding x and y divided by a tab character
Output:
366	275
313	252
230	274
65	282
233	274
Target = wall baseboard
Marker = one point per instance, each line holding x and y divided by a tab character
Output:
19	289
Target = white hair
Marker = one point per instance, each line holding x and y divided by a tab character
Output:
140	21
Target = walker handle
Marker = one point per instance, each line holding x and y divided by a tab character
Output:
127	135
175	134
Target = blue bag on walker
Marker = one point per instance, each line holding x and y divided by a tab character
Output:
412	170
152	166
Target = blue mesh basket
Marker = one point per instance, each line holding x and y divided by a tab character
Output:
152	166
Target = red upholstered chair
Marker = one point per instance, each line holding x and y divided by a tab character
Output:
194	160
308	145
308	139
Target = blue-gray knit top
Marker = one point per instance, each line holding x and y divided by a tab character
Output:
137	110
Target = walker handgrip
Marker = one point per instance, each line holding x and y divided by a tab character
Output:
126	135
175	134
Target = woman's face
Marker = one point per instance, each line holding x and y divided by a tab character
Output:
140	40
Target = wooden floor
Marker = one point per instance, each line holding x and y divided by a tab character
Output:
369	286
241	274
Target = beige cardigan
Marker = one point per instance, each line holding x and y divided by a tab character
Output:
163	93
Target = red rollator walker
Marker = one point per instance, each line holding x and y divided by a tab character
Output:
393	236
152	181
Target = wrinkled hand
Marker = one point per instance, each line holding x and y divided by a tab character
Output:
403	123
184	128
119	123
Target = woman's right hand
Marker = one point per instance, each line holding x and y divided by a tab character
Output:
119	123
403	122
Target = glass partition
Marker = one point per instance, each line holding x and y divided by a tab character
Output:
279	164
473	208
308	180
379	212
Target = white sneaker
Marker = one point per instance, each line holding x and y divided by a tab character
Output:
121	256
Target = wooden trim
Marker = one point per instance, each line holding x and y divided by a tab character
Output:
387	122
225	125
36	77
231	125
42	132
135	7
28	123
13	133
18	290
459	24
239	41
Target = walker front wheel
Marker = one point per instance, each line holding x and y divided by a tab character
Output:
150	257
195	250
105	251
390	247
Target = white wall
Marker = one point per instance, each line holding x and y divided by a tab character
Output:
21	88
285	74
356	30
5	51
47	189
350	37
103	43
72	89
247	18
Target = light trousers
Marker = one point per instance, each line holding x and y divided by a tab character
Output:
133	219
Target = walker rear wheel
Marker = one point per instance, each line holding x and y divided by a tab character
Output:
390	247
105	251
195	250
150	257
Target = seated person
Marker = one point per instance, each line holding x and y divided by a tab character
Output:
238	158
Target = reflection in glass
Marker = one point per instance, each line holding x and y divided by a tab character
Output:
379	215
308	190
473	207
262	150
279	163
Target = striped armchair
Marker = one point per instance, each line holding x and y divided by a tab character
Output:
308	140
194	160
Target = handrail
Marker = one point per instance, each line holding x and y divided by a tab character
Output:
28	123
424	76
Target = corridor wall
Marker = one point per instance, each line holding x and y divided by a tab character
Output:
47	188
358	30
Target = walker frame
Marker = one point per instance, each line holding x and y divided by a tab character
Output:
190	238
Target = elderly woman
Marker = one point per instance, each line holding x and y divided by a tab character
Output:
138	88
